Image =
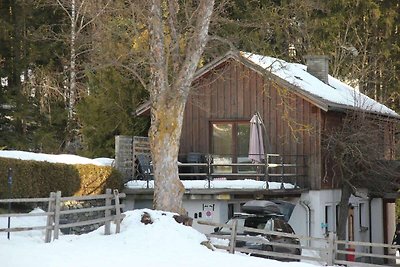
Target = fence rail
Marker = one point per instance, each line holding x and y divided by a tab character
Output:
54	212
326	253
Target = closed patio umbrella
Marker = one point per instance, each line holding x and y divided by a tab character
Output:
256	143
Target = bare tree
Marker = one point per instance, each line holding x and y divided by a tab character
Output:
358	154
81	14
172	70
73	31
159	44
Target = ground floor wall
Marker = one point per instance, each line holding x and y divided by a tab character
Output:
369	219
315	214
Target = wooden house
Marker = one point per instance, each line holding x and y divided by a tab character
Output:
297	103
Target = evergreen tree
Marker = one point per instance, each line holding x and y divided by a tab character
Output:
27	112
109	110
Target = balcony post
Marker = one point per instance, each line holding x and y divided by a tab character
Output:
209	170
296	170
266	171
282	172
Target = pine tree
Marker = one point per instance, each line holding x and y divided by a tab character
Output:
109	110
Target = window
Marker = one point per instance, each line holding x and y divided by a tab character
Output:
337	216
329	219
222	148
230	144
362	215
231	209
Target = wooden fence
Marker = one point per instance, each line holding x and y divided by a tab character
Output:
325	251
54	212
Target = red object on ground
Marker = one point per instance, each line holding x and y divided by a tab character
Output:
350	257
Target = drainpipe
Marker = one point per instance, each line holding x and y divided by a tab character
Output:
308	220
370	223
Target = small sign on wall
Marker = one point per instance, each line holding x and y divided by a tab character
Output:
208	210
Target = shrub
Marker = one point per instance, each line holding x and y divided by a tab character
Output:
38	179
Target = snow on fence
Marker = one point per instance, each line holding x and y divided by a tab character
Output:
325	251
54	212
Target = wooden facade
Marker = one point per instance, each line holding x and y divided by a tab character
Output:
233	91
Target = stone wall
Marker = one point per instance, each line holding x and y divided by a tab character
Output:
78	217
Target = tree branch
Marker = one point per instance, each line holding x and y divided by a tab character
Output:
195	47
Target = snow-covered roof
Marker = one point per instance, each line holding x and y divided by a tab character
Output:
336	94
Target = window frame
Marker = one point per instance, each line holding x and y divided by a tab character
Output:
234	134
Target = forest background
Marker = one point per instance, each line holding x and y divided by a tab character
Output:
69	69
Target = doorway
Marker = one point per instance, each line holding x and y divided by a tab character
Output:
230	144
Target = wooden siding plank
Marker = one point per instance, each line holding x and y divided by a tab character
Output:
318	147
240	93
260	99
272	119
221	97
279	129
246	93
214	97
234	90
204	120
307	143
189	126
193	146
267	116
253	95
227	92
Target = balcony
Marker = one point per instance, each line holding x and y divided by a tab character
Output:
276	171
279	172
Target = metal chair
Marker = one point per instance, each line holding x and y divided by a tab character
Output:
145	169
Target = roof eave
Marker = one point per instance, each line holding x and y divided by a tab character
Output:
344	108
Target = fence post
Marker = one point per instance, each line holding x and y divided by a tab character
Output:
232	241
117	212
9	203
107	212
57	214
49	224
331	249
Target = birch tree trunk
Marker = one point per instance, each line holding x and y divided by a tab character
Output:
72	82
169	90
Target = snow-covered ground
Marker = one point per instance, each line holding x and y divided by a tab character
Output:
163	243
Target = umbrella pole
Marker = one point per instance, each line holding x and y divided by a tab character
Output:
266	170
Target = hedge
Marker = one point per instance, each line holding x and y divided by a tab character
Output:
38	179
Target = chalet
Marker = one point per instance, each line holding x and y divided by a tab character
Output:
296	103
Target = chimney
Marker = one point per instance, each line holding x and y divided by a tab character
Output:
318	66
